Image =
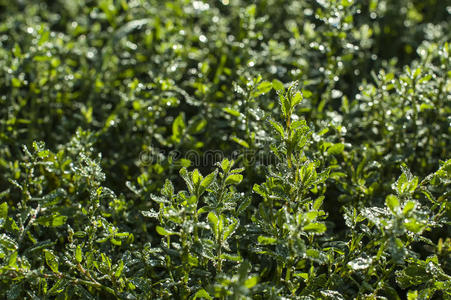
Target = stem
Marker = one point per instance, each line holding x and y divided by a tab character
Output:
30	222
288	141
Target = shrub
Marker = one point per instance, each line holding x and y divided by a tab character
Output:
225	149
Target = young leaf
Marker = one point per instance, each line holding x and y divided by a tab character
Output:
214	222
161	231
285	105
189	183
297	98
234	179
278	127
78	254
206	182
196	177
225	165
168	189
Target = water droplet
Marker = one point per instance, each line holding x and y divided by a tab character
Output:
336	94
199	5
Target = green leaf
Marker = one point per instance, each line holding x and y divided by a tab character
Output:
52	220
285	105
196	177
51	261
412	295
330	294
389	77
4	210
193	260
231	257
315	227
243	206
302	275
12	261
306	93
119	269
263	88
168	189
345	104
412	275
265	240
161	231
237	170
308	174
16	82
414	226
336	149
278	127
360	263
208	180
230	229
197	125
78	254
277	85
58	287
251	282
401	183
297	98
225	165
234	179
202	294
409	206
189	183
240	142
178	126
232	112
318	202
8	242
417	73
214	222
393	203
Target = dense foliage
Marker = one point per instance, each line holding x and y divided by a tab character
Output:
228	149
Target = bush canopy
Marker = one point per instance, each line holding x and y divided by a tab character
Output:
225	149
